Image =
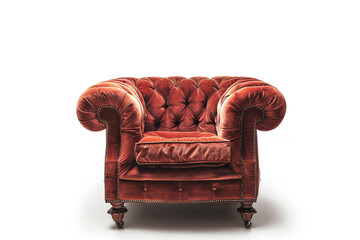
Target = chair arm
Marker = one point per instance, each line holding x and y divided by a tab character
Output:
118	106
248	105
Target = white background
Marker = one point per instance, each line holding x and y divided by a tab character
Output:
51	168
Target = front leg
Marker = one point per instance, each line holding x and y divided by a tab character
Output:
247	211
117	212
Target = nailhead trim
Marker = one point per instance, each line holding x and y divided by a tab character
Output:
117	161
199	201
242	155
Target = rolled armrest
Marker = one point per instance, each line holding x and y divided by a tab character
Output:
120	94
118	106
247	105
247	94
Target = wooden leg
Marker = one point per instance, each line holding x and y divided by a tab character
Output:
117	212
247	211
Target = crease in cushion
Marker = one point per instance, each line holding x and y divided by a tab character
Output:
182	150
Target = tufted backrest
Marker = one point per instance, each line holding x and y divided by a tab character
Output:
182	104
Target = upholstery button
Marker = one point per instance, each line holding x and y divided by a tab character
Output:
146	189
214	188
180	189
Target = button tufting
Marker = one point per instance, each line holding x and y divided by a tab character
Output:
214	188
182	93
180	189
146	189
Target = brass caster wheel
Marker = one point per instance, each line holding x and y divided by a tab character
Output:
120	224
247	224
117	213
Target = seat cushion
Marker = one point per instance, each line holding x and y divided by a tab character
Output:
182	150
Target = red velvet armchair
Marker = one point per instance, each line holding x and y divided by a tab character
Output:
181	140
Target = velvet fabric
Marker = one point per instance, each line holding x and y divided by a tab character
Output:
140	173
182	150
243	108
233	108
179	191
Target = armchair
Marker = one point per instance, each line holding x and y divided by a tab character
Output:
180	140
